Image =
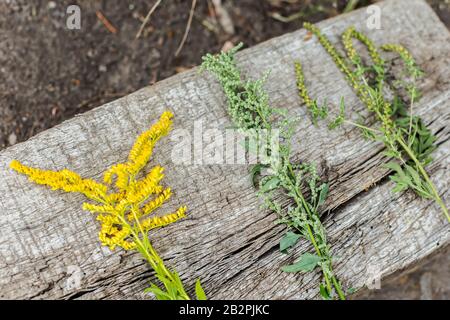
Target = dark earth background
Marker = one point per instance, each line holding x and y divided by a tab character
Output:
49	74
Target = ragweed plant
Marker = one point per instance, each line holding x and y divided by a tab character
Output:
407	140
124	204
248	106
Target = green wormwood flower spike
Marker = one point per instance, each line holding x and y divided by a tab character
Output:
124	207
406	138
250	111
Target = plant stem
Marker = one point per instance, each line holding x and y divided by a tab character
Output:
312	238
425	175
350	5
411	155
361	126
316	247
337	286
410	116
152	257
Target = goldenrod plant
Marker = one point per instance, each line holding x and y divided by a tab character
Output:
249	108
124	205
406	138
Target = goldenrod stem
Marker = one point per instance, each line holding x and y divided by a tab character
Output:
152	256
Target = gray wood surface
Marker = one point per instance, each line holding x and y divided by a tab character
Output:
47	241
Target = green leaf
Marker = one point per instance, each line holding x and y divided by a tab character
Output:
323	194
398	169
414	175
199	292
159	294
255	171
390	153
324	292
337	122
270	184
399	187
289	240
367	134
378	69
393	166
306	263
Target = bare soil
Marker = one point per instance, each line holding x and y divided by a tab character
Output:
49	73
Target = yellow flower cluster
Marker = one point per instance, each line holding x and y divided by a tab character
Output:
352	33
140	153
407	58
65	180
157	222
155	203
404	54
340	62
123	213
115	233
302	91
360	88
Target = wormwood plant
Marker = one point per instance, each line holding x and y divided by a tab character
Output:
407	140
251	113
124	206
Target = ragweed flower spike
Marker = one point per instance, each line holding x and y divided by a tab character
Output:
407	58
406	138
124	210
352	33
316	111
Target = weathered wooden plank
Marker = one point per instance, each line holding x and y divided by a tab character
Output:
227	240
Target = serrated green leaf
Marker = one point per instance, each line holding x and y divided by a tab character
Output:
399	187
393	166
414	174
428	141
270	184
399	171
306	263
199	292
389	153
289	240
394	177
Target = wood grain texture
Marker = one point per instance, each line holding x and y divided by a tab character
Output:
46	240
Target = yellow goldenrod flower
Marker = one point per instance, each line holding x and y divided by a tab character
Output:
130	201
140	153
98	208
65	180
123	209
157	222
157	202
